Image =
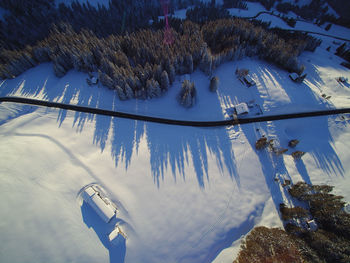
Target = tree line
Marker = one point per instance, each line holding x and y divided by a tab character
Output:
27	22
330	242
138	65
127	62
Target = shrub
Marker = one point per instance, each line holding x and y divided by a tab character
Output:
214	83
293	213
269	245
187	95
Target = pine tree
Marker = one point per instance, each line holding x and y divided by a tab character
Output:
164	81
128	91
214	83
59	70
171	74
157	72
120	93
153	88
41	53
187	95
206	62
105	80
188	63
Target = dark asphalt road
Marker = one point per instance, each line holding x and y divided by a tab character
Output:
172	121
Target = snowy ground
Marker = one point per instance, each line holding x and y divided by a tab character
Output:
253	9
94	3
184	193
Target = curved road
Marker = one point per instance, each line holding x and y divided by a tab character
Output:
297	30
172	121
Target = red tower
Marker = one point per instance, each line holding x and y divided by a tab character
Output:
168	36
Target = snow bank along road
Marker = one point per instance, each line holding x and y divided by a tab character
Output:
297	30
172	121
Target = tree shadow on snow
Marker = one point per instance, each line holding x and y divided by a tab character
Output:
312	129
315	139
117	250
272	166
174	146
38	81
169	146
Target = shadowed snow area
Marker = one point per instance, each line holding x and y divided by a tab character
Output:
94	3
183	193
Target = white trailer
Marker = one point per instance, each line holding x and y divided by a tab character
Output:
100	203
241	108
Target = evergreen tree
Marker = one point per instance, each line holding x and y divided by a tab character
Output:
171	74
164	81
105	80
206	62
120	93
188	63
153	88
187	95
214	83
128	91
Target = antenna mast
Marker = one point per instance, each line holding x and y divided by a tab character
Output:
168	36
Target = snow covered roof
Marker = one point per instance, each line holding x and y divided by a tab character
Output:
241	108
347	208
114	234
249	79
94	80
102	206
312	225
294	76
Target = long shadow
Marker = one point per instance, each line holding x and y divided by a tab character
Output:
302	171
271	165
169	146
84	98
35	81
289	95
300	95
320	146
102	123
235	233
69	93
315	140
172	146
126	136
117	250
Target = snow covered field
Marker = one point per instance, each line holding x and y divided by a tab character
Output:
184	194
94	3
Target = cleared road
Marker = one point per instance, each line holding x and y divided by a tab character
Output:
124	115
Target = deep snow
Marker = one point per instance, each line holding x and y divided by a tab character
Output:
94	3
184	194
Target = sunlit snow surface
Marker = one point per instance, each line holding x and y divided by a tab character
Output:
183	193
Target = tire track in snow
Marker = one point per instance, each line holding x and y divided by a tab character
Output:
72	157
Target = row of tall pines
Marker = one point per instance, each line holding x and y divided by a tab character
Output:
138	65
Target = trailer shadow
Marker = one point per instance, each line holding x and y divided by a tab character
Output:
117	250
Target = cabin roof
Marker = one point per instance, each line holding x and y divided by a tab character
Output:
101	205
294	76
241	108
